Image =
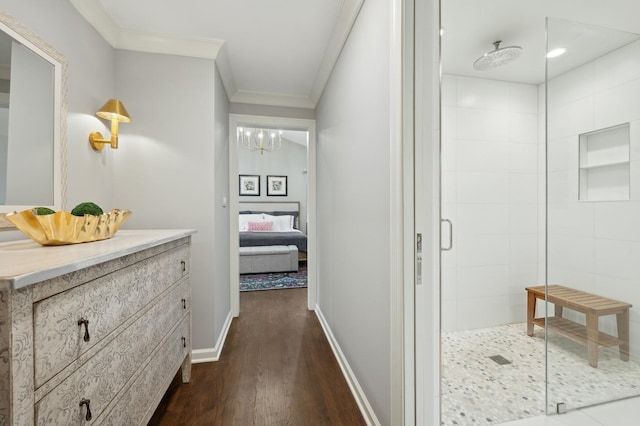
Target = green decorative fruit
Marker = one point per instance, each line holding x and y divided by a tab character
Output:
40	211
87	208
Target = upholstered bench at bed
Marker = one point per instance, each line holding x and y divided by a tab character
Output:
257	260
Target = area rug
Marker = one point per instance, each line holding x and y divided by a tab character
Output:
274	280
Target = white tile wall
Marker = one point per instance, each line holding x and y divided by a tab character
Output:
482	312
522	276
523	128
494	182
558	120
634	136
570	87
581	115
478	281
523	158
491	161
617	105
620	67
482	219
558	187
523	187
474	187
573	219
523	249
523	218
558	150
595	246
449	118
482	156
449	91
482	250
482	94
482	124
612	219
523	99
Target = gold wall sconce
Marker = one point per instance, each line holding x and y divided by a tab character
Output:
116	112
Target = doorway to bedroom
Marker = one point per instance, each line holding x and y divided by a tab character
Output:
272	187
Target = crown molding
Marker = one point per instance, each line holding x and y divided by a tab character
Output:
346	18
168	44
225	72
99	19
272	99
215	49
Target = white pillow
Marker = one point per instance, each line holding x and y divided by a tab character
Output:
283	223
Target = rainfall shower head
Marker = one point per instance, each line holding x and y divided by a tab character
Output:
497	57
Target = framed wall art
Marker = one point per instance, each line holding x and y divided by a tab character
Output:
249	185
277	186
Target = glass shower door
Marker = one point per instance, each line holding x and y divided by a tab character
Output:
592	216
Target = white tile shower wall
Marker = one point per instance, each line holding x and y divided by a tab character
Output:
595	246
490	192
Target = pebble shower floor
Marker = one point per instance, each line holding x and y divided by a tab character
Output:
478	391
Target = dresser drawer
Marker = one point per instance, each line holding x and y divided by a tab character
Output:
137	403
68	324
101	378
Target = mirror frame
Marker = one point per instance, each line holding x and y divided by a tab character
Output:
40	47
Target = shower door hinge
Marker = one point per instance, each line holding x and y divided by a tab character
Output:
418	259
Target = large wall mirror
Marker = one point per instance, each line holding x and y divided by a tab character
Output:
32	120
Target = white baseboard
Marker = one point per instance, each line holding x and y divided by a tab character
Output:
356	390
212	354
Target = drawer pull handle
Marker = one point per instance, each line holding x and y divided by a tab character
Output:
184	303
184	342
82	321
184	265
86	402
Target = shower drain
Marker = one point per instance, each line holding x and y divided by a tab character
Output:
499	359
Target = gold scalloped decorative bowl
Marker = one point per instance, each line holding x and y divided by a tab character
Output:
63	228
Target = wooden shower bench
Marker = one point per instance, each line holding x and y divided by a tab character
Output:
589	304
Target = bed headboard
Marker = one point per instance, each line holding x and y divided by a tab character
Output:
271	206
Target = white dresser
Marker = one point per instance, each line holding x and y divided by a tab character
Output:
93	333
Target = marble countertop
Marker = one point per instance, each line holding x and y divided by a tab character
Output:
26	262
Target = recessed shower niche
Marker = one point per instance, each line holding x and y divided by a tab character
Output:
604	164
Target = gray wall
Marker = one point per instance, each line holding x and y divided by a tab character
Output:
290	161
221	258
353	203
90	70
164	163
165	168
4	131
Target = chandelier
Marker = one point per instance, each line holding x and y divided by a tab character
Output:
260	139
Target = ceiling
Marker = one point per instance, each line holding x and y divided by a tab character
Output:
471	27
277	52
281	52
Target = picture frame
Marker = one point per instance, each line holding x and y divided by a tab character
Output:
277	186
249	185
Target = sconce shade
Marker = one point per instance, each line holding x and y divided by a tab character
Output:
114	109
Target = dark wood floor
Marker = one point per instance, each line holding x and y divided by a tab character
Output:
276	368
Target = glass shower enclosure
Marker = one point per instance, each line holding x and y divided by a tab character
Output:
540	288
592	175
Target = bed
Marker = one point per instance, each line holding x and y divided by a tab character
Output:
271	224
270	237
